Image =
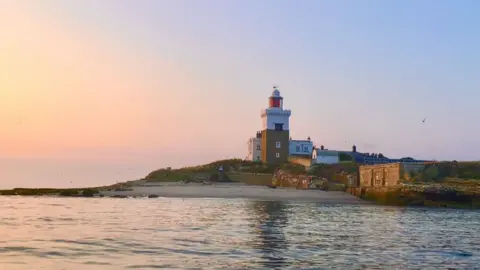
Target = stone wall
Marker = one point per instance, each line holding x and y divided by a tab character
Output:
301	160
382	175
387	175
282	178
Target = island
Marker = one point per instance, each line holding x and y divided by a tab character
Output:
439	184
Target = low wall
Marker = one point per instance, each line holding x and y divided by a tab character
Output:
282	178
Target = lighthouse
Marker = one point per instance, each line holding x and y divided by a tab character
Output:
275	130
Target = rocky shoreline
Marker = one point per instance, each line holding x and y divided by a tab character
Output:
419	195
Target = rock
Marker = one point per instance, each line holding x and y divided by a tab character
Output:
119	196
152	196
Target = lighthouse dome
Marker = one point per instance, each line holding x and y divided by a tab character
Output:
275	92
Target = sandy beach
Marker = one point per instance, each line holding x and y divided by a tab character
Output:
243	191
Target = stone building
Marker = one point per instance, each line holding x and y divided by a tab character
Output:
386	175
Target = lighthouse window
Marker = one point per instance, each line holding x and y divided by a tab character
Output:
278	144
278	127
278	155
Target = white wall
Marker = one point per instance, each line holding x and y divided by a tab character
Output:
254	154
327	160
271	116
299	147
325	157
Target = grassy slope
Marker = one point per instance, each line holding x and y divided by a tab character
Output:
238	170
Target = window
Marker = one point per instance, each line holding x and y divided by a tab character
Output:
305	149
278	127
278	144
258	147
278	155
258	158
298	148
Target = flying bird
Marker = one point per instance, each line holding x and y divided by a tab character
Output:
423	121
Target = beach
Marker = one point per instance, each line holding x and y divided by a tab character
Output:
236	190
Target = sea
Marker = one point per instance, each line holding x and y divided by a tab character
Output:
175	233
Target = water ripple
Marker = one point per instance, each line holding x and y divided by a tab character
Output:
59	233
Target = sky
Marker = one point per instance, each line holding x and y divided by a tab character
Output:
94	92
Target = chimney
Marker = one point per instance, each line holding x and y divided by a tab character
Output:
322	147
354	149
308	138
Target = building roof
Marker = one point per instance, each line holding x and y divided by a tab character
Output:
276	93
326	153
304	141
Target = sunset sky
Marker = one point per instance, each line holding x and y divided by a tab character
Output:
94	92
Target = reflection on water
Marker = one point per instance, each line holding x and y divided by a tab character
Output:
272	218
76	233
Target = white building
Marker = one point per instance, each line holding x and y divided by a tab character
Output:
255	148
320	156
301	147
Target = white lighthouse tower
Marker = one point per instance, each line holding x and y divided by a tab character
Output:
275	130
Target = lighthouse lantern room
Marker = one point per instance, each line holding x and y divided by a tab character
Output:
275	100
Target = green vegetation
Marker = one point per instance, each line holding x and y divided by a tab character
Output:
439	172
210	172
68	193
219	177
328	170
335	173
345	157
89	192
207	171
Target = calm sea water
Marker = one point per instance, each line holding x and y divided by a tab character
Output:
75	233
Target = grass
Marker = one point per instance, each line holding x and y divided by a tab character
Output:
234	168
469	170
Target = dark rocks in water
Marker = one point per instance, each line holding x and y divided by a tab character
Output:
119	196
68	193
89	192
153	196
